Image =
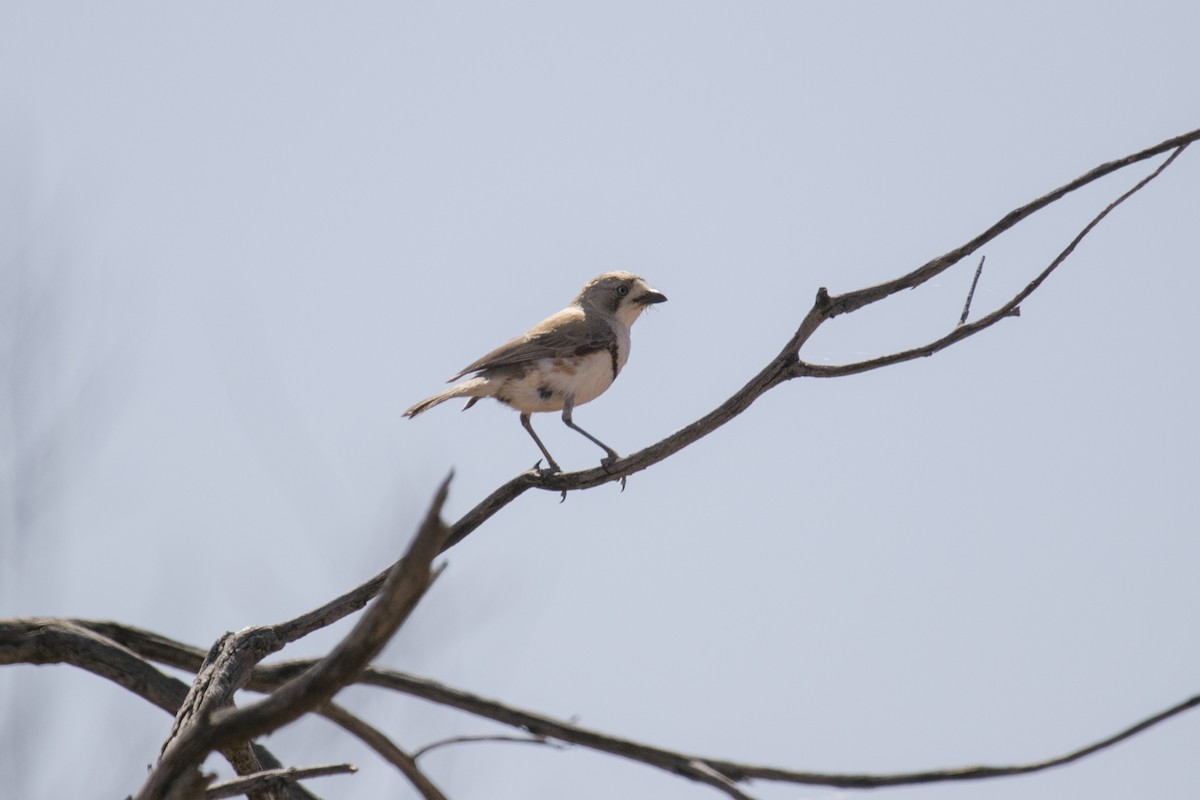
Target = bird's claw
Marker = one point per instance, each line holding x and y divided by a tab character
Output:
543	472
546	472
608	462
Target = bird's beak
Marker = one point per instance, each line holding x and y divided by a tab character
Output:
651	297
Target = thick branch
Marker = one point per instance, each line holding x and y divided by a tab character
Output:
268	677
407	582
63	641
84	644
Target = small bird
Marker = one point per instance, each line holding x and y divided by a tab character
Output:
564	361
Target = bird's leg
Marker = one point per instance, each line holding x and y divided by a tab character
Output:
549	458
566	417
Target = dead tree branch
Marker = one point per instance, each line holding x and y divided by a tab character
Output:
787	364
207	720
1011	308
677	763
63	641
273	779
220	726
966	312
385	747
267	678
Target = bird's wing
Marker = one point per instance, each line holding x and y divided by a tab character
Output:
568	333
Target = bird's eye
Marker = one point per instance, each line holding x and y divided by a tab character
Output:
623	290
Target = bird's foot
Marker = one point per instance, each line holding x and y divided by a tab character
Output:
544	472
608	461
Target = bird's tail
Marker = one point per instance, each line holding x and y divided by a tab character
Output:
474	388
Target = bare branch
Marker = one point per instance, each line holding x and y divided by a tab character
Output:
678	763
267	677
701	772
207	721
954	774
787	365
191	785
273	779
407	582
41	640
385	747
1011	308
852	301
87	644
971	292
59	641
488	738
147	644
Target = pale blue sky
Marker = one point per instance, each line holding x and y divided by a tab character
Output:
237	240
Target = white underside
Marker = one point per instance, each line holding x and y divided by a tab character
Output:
585	378
593	374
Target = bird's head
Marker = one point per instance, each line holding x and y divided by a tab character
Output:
621	294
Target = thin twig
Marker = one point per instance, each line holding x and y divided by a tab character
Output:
273	779
701	772
484	738
386	748
1011	308
971	293
961	773
852	301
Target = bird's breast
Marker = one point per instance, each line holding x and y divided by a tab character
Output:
545	384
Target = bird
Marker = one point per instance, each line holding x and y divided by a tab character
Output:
566	360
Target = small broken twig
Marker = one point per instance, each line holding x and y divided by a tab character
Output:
273	779
971	294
